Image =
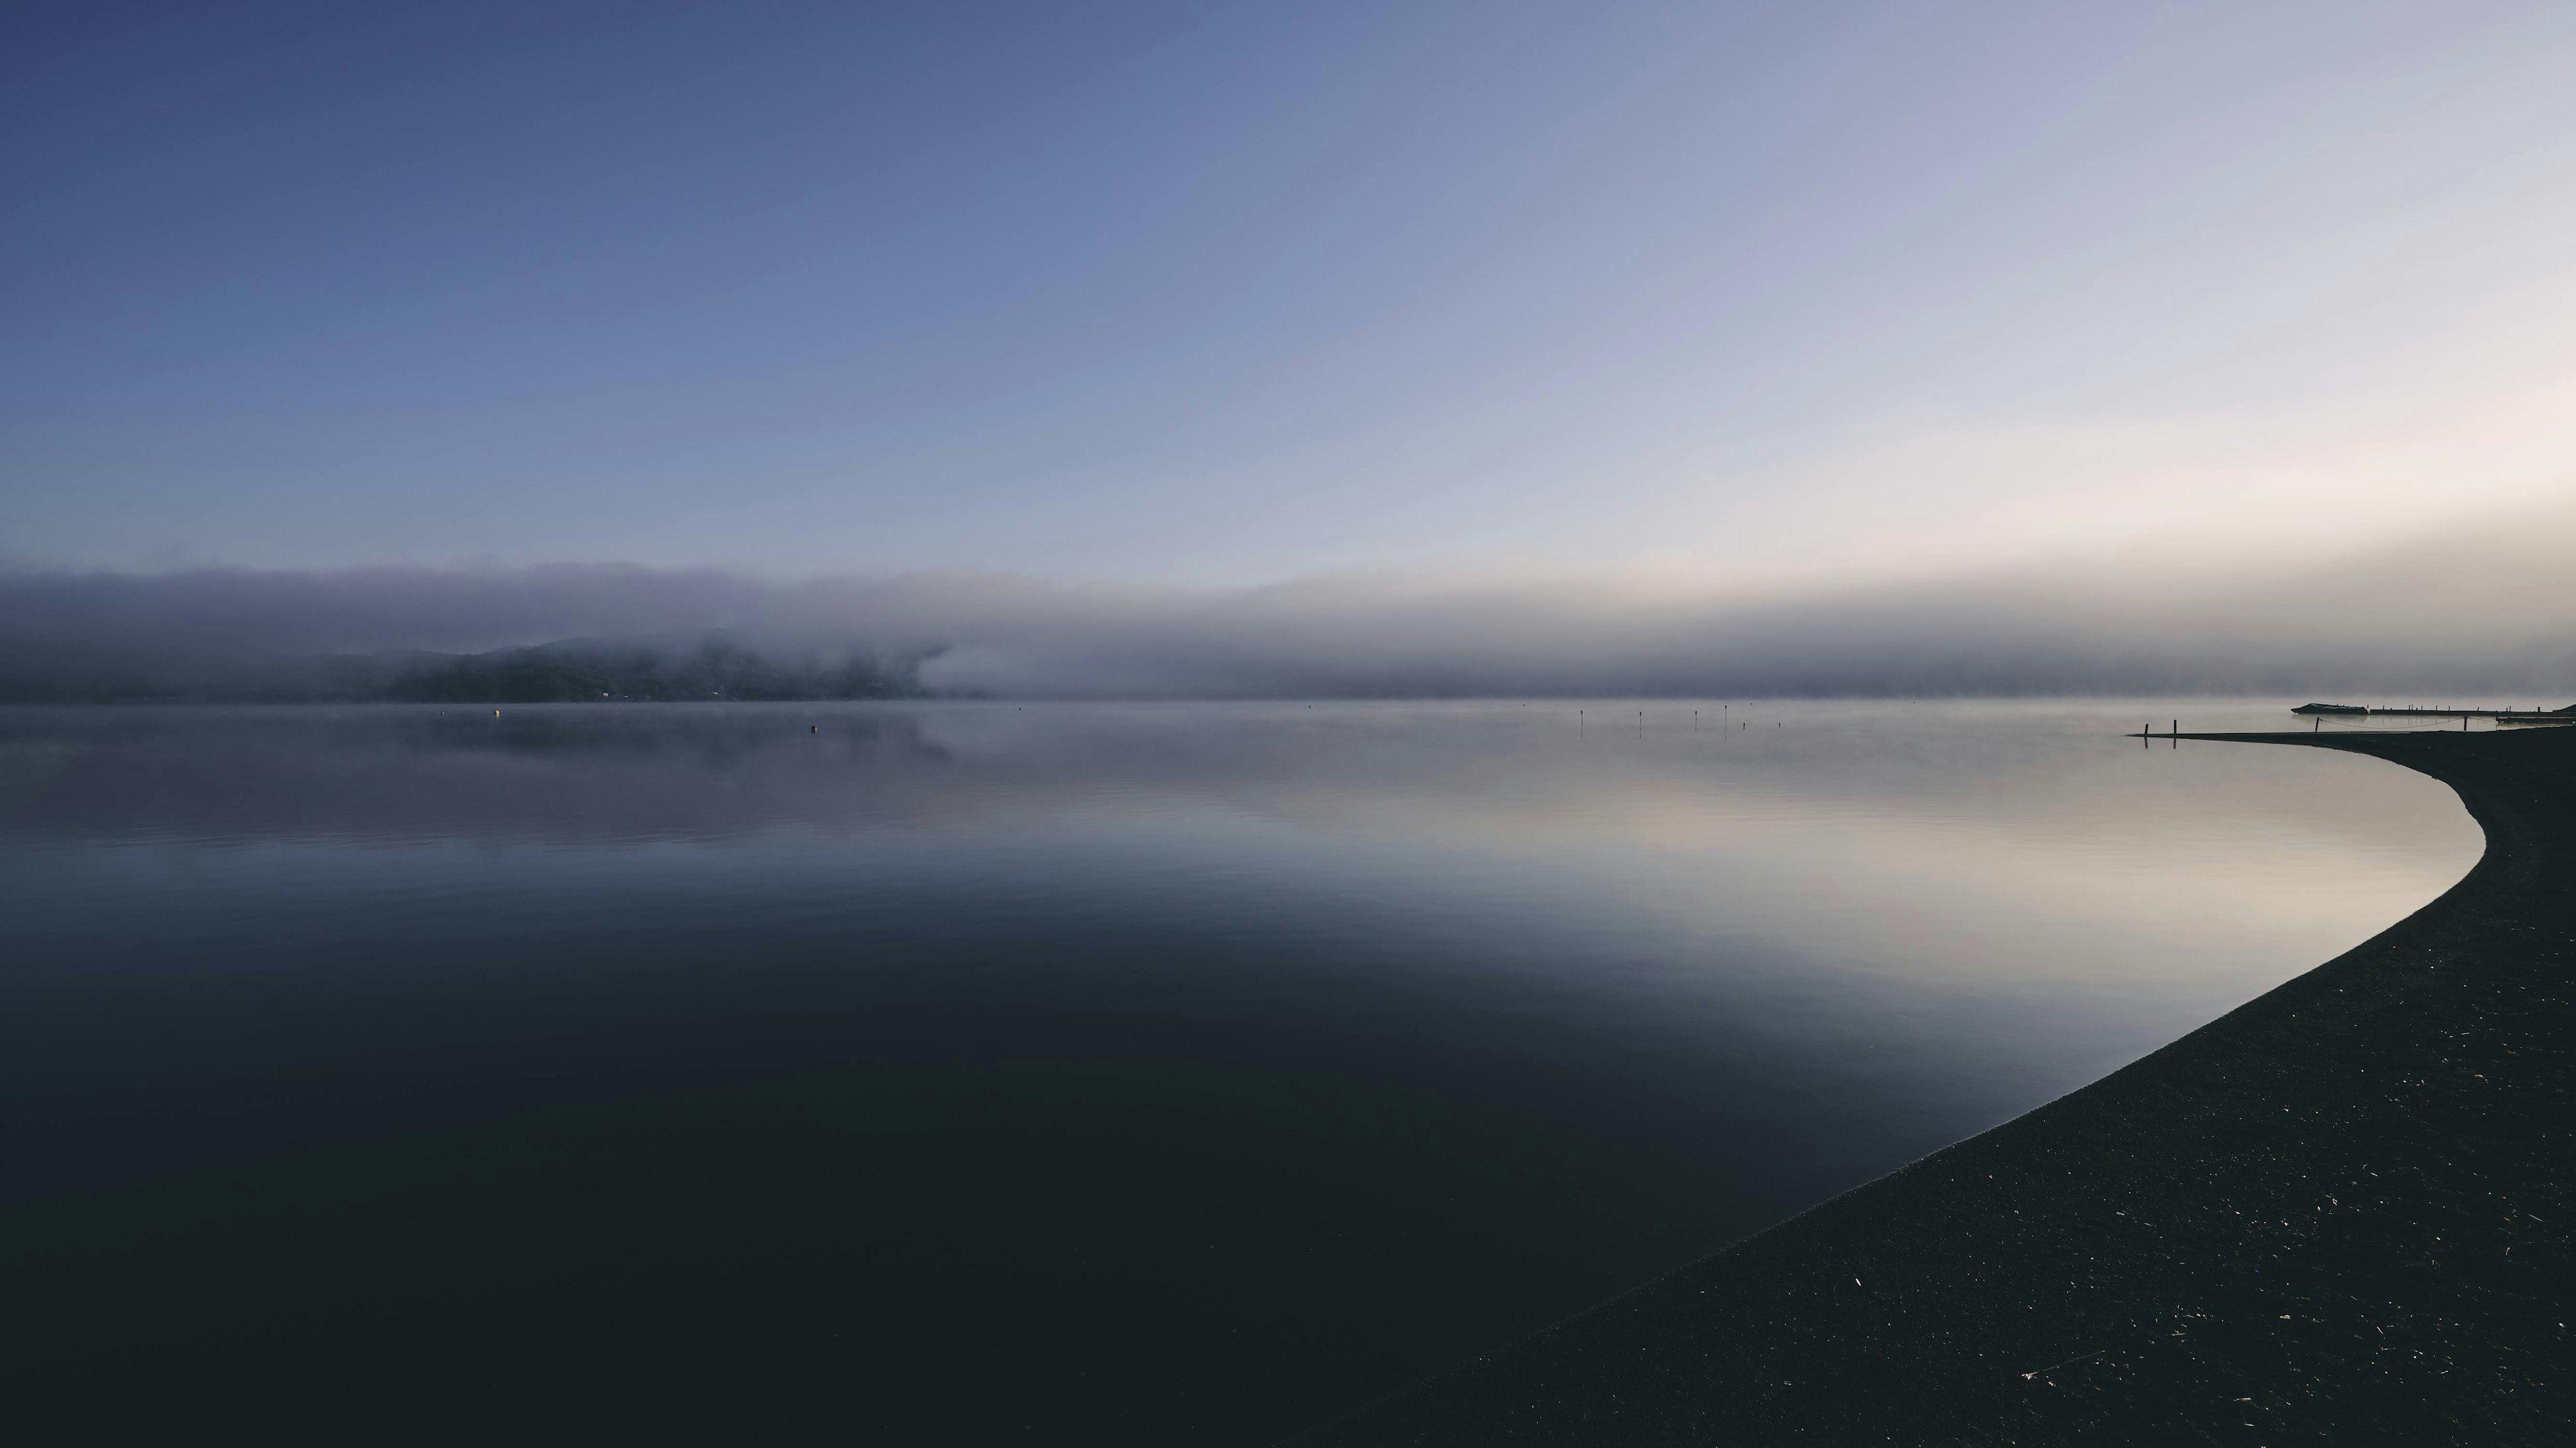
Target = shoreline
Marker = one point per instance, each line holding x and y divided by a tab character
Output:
2340	1211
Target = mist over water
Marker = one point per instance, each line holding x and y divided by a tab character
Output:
2474	610
1433	1021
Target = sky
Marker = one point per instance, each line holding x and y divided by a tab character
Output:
1234	294
1723	303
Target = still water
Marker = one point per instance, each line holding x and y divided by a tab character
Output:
978	1072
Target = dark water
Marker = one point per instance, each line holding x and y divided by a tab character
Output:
1070	1073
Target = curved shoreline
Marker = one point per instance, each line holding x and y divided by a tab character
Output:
2341	1211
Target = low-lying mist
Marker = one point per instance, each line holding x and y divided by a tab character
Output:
2445	617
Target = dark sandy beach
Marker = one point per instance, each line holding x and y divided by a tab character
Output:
2338	1214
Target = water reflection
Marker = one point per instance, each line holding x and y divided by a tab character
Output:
1756	953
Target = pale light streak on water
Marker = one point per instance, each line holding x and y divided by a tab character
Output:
2005	895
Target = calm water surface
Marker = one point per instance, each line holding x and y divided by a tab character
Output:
974	1072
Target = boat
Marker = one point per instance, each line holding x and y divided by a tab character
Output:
2330	709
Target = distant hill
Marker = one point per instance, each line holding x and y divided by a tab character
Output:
714	667
582	670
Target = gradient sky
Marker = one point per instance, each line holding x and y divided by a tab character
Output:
1228	293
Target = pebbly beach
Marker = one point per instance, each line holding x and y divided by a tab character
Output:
2339	1213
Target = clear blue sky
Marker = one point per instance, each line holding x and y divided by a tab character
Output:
1228	293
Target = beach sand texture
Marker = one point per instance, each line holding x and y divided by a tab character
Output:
2339	1213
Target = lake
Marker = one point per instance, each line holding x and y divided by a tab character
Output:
1065	1073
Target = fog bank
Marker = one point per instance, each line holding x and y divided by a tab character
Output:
2445	616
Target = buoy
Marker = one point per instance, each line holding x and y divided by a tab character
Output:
818	729
496	713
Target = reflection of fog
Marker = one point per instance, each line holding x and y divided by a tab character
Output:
1953	910
1955	816
1471	769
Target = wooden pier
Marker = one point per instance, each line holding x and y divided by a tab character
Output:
2413	711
